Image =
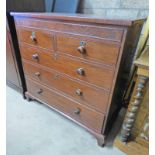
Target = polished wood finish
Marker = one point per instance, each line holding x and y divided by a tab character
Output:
107	33
76	63
88	49
12	72
88	117
36	37
68	65
86	94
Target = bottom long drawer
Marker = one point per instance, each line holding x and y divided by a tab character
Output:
84	115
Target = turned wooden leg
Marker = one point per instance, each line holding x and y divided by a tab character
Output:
133	108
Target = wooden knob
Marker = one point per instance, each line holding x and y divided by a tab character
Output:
77	111
37	74
81	49
35	56
79	92
33	37
80	71
39	91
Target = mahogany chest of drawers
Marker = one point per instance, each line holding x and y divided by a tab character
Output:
74	64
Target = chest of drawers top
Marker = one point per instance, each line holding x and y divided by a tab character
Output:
83	18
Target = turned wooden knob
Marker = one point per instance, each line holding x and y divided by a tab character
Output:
80	71
37	74
39	91
79	92
35	56
81	49
77	111
33	37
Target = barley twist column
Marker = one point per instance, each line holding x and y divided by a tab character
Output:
133	108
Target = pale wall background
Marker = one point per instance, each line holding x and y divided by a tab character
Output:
115	8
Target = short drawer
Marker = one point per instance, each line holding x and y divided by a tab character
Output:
93	97
76	111
88	48
100	76
36	37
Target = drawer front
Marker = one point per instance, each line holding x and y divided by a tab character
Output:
86	48
39	38
96	98
97	75
76	111
106	32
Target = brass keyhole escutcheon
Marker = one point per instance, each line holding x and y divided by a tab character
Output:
56	56
56	77
82	43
